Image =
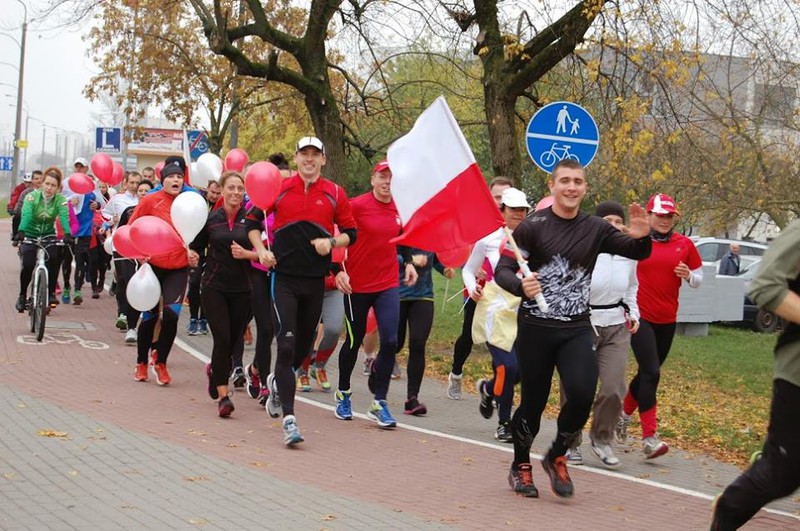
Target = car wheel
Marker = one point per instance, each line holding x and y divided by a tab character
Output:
765	321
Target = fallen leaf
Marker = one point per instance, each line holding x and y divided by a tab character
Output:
53	433
198	521
9	475
328	517
73	473
194	478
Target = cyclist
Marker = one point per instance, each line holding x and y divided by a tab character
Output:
40	210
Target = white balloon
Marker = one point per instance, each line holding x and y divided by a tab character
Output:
209	168
108	245
189	214
192	171
143	290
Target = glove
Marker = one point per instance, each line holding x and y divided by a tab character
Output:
69	240
18	237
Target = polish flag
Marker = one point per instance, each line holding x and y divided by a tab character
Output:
187	157
437	186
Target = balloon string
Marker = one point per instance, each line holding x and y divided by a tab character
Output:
266	229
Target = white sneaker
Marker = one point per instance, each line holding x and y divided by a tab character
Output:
574	457
291	432
454	386
653	447
131	336
605	454
273	402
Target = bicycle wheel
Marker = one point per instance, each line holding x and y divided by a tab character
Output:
42	303
32	305
548	159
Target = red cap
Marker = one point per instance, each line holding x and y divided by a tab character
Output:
662	204
382	165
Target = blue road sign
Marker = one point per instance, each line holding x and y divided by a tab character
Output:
198	144
108	139
562	130
6	163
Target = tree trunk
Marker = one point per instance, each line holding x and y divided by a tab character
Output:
499	109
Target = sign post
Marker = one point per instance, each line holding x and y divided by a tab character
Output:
562	130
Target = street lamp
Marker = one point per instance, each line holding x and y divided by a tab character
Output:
18	125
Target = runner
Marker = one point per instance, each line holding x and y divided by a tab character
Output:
463	345
85	267
306	209
197	321
40	210
674	259
369	279
514	207
171	269
561	245
226	284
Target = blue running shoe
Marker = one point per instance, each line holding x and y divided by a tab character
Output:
379	412
344	409
291	432
192	328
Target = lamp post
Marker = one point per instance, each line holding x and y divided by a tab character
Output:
18	125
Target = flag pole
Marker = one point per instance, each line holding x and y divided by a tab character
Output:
526	271
444	297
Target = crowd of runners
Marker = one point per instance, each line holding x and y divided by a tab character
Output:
317	264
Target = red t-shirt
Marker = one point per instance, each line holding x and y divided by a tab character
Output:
159	204
658	284
372	261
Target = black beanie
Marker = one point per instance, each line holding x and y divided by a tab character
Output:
607	208
173	165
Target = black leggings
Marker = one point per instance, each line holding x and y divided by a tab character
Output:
542	349
85	263
67	253
173	287
193	294
125	270
298	305
650	345
418	316
262	311
227	315
28	259
386	304
103	259
463	346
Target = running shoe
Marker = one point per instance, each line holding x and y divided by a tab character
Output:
131	336
379	412
303	382
161	374
140	375
53	301
20	305
274	402
454	386
153	357
192	328
486	406
574	456
344	409
396	373
621	431
239	378
263	396
368	365
212	389
253	383
225	407
78	298
560	481
202	327
653	447
520	479
65	296
291	432
95	294
605	454
321	376
414	407
503	433
121	322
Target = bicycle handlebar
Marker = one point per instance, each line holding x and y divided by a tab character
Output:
43	241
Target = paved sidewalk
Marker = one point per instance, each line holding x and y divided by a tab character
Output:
141	456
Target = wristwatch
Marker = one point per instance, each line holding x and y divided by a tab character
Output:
333	242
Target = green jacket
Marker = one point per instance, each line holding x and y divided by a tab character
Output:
39	217
778	273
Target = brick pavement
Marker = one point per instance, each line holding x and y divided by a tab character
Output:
164	459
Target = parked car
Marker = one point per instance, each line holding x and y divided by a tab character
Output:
756	318
713	249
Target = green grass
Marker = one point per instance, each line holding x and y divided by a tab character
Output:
713	396
3	213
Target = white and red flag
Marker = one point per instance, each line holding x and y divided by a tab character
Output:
437	186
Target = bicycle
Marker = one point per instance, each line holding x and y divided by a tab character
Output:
549	158
38	302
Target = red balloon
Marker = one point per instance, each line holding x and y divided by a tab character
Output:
372	323
544	203
118	175
123	244
102	167
236	160
158	168
263	184
454	257
154	237
80	183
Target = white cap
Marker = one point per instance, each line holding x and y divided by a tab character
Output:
28	177
82	161
513	198
310	141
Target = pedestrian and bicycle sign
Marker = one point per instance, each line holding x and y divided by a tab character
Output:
108	139
198	144
562	130
6	163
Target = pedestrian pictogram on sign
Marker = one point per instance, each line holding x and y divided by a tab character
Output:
562	130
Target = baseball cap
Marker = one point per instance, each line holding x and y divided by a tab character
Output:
382	165
28	177
513	198
662	204
82	161
310	141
